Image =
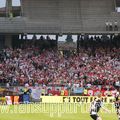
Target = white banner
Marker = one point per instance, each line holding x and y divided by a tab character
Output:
36	93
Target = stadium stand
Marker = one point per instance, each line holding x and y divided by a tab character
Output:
79	16
25	62
97	64
14	25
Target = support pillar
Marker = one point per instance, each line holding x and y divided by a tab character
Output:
8	41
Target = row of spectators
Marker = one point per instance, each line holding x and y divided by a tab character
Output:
52	67
110	26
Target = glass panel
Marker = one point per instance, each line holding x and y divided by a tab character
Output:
2	3
2	8
16	8
16	3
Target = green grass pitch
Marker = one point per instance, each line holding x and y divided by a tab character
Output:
50	111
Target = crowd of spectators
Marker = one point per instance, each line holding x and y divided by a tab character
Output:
52	67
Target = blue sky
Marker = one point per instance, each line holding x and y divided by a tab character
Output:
14	3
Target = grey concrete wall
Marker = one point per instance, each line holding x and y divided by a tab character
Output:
62	16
